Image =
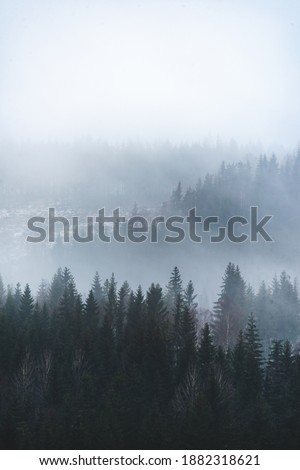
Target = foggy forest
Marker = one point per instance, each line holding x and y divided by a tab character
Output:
130	369
158	365
158	110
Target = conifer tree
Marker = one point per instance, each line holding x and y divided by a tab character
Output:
189	296
154	301
111	304
206	353
56	289
26	304
187	354
121	311
174	289
91	311
2	293
238	361
254	359
42	294
18	295
230	310
98	290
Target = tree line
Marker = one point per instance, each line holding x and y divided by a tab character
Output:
132	369
271	185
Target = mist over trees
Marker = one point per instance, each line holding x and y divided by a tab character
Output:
82	177
169	363
115	332
269	184
123	368
86	173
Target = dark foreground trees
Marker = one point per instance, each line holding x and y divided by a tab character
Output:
127	369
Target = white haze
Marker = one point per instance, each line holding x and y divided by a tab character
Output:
111	96
150	71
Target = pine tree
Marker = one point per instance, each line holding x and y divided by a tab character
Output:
107	347
67	277
188	333
206	353
238	362
18	295
264	309
91	311
121	311
37	333
56	289
106	286
254	360
189	296
249	298
174	289
26	304
98	290
230	309
274	375
289	308
135	329
72	292
43	293
2	293
77	323
10	306
155	303
64	311
111	304
177	323
157	348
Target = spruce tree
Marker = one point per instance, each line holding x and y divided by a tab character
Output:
155	303
91	311
56	289
238	364
121	312
188	333
111	304
230	310
189	296
26	304
2	293
18	295
206	353
174	289
98	290
43	293
254	359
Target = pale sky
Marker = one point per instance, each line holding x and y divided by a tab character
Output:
150	70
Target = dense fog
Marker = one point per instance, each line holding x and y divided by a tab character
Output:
81	178
181	119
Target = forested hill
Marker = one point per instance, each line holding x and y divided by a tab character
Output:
89	177
272	186
128	369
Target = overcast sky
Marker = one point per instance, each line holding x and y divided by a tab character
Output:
150	70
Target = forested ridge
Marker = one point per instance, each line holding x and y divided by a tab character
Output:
132	369
271	184
268	182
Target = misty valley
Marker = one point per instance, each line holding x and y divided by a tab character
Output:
204	357
149	233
